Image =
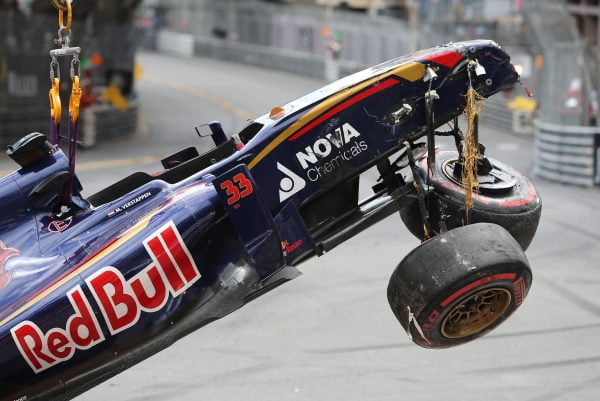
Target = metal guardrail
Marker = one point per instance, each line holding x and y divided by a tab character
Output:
567	154
290	26
186	45
279	59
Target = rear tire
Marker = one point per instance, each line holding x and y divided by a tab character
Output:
518	210
459	285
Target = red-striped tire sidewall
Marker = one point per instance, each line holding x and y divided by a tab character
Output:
432	317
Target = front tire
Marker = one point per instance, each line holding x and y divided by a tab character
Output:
460	285
517	209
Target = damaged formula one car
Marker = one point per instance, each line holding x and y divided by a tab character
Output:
90	287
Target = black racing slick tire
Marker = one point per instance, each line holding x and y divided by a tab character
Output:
517	209
460	285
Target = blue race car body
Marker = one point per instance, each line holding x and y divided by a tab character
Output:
92	289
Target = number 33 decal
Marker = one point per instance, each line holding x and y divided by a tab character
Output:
238	189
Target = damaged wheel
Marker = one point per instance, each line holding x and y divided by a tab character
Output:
459	285
506	198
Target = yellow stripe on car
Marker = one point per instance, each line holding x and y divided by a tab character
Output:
136	229
410	72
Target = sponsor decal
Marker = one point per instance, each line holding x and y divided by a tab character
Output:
43	350
322	158
58	226
474	284
120	301
5	274
429	324
289	248
129	204
289	185
344	143
520	290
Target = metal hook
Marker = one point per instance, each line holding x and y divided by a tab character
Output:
54	66
75	67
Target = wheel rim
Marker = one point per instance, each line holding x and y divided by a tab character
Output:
476	313
498	179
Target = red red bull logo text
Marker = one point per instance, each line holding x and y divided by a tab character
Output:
120	301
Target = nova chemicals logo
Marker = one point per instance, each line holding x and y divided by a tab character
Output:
289	185
329	153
